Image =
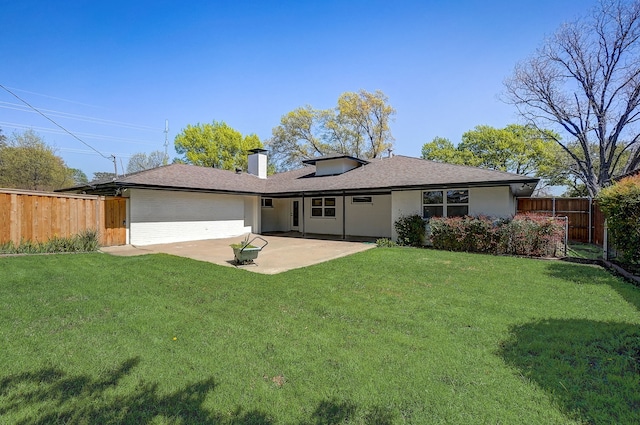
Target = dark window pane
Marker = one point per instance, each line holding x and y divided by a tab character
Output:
329	202
431	211
316	212
316	202
457	211
457	197
361	199
432	197
267	202
329	212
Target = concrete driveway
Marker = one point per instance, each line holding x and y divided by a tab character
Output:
281	254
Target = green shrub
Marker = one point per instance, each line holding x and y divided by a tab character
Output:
620	204
385	243
85	241
531	235
411	230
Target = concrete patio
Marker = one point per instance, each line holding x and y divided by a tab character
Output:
281	254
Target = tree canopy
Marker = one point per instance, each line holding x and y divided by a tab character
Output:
585	80
141	161
520	149
358	126
27	162
215	145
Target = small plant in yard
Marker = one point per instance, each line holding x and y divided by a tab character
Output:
411	230
385	243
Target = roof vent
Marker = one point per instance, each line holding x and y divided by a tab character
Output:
390	152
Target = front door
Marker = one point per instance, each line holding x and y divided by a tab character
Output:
295	215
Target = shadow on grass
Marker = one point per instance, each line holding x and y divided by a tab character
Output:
592	369
52	396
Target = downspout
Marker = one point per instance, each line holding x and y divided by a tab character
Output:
303	224
344	217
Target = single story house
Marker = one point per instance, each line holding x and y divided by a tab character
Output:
333	195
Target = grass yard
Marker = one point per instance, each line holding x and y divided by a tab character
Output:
387	336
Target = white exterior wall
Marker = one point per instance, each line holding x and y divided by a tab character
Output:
167	216
278	217
374	219
334	166
491	201
322	225
405	202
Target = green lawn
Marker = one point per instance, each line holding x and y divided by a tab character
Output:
387	336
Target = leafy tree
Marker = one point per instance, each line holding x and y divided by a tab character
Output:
27	162
441	149
215	145
141	161
78	176
516	148
585	80
357	126
103	175
3	139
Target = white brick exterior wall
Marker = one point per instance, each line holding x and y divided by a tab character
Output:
158	216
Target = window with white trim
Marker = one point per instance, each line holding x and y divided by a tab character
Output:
267	203
445	203
323	207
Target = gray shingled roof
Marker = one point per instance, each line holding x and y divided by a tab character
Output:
380	174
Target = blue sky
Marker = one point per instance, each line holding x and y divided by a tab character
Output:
112	72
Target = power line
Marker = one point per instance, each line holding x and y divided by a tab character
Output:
84	118
58	125
85	135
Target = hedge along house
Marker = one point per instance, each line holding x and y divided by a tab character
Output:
335	195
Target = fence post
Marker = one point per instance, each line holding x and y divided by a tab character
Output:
590	219
566	234
605	242
553	206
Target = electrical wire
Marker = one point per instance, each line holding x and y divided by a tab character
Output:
58	125
84	118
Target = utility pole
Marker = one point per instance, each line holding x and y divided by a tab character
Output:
166	142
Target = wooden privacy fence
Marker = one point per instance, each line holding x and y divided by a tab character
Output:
586	221
40	216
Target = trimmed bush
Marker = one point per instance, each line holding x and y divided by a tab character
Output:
620	204
530	235
411	230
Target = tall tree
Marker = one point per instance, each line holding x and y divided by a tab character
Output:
215	145
141	161
27	162
586	81
357	126
519	149
78	176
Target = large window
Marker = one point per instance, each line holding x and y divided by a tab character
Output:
445	203
323	207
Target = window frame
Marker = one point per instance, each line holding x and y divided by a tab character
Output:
448	199
324	207
266	202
